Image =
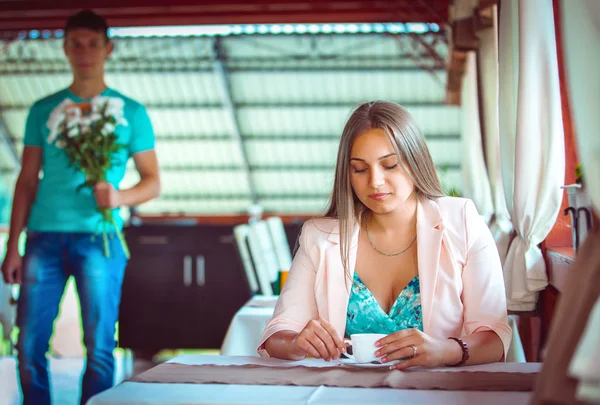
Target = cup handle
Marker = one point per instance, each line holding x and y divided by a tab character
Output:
348	355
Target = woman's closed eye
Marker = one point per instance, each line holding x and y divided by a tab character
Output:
363	170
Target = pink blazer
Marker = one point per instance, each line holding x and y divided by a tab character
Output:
462	287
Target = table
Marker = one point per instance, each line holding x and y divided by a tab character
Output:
235	394
247	325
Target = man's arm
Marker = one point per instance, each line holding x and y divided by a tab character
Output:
146	189
24	196
25	191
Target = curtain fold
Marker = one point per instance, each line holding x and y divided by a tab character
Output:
475	179
531	141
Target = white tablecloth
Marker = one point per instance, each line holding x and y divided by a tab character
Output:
129	393
245	329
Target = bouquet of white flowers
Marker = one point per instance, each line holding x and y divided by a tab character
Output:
86	133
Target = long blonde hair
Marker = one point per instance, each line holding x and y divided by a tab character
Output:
414	157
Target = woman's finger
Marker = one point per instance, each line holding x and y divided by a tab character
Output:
415	361
411	351
327	340
337	340
399	345
392	337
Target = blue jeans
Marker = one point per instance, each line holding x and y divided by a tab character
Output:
50	258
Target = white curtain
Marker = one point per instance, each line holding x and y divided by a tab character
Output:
500	226
475	180
531	141
581	53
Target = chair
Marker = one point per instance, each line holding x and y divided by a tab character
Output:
280	242
240	233
264	257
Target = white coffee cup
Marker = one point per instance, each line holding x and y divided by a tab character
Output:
363	346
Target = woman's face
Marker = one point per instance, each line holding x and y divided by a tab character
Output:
376	175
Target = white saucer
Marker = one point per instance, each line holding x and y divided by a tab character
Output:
352	363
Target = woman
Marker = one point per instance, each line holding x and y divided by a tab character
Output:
393	255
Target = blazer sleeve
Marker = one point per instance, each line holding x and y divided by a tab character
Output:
296	304
483	295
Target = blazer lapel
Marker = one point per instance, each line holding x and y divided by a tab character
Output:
337	302
429	243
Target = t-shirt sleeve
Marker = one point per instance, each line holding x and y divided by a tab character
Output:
142	133
33	131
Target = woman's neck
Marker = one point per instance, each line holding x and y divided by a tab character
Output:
401	220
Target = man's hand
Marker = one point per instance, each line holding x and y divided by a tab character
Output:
106	195
12	267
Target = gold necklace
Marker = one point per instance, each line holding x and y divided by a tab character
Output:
383	253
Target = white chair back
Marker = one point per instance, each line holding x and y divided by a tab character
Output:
263	256
240	232
280	242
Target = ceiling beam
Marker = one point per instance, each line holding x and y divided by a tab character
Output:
236	106
282	138
240	196
32	70
273	168
224	88
41	14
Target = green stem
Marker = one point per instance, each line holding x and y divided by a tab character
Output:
121	239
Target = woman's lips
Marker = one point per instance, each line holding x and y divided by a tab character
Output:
379	196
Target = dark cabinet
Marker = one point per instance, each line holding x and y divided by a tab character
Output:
182	286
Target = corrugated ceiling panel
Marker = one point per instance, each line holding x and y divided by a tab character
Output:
199	207
162	48
125	49
340	87
172	122
315	121
346	45
282	153
167	87
309	205
25	89
445	151
177	153
293	182
14	120
196	183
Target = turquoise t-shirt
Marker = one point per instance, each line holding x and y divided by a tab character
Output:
59	206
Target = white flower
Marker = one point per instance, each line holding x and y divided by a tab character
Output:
58	114
85	122
98	102
95	116
73	115
114	105
107	128
54	131
73	131
61	144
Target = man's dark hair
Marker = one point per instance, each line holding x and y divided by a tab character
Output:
89	20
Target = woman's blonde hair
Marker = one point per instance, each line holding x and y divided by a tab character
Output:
414	158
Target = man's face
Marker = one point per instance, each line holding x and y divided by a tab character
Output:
87	52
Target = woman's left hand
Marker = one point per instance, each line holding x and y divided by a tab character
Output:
418	348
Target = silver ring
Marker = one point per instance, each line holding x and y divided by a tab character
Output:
414	350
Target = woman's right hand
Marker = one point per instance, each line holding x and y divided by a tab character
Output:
319	339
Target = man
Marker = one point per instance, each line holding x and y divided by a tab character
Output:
62	221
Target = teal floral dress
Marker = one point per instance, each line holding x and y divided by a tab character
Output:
366	316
